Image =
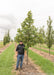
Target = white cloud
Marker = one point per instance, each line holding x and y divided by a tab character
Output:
41	9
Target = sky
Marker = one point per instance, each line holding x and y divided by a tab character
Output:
13	12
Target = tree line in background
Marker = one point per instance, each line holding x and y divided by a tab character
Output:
7	38
30	35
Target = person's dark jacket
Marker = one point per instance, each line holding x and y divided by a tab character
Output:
20	49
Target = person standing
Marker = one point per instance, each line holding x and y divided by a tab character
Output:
20	54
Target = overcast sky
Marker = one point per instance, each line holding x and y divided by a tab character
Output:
13	12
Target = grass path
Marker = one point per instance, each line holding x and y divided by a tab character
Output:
47	49
46	65
45	46
43	54
52	48
6	60
43	50
1	44
6	46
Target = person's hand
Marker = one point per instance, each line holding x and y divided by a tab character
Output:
25	54
16	55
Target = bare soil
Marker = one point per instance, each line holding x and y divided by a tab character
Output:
6	46
44	54
47	49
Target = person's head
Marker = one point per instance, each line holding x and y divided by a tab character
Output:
20	42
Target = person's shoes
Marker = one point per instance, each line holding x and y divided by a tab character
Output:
16	69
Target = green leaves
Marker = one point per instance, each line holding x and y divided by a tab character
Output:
6	38
25	48
28	32
49	38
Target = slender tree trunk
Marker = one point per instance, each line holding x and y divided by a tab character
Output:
40	46
49	51
27	56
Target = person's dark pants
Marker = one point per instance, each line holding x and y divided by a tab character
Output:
19	57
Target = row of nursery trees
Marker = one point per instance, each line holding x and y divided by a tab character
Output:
30	35
7	38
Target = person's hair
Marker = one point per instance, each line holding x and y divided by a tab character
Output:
20	41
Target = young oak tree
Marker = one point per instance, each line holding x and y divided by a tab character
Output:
40	39
8	36
27	33
5	40
53	36
49	38
41	36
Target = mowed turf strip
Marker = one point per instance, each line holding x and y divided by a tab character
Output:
7	60
45	46
1	44
46	65
44	50
52	48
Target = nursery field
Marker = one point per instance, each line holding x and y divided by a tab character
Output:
44	46
46	65
38	63
40	56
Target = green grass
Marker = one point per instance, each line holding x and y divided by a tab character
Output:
7	60
44	50
46	65
52	48
45	46
1	44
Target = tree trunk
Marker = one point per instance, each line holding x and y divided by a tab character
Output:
40	46
49	51
27	56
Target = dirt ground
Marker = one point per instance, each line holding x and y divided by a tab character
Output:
44	54
6	46
30	69
47	49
